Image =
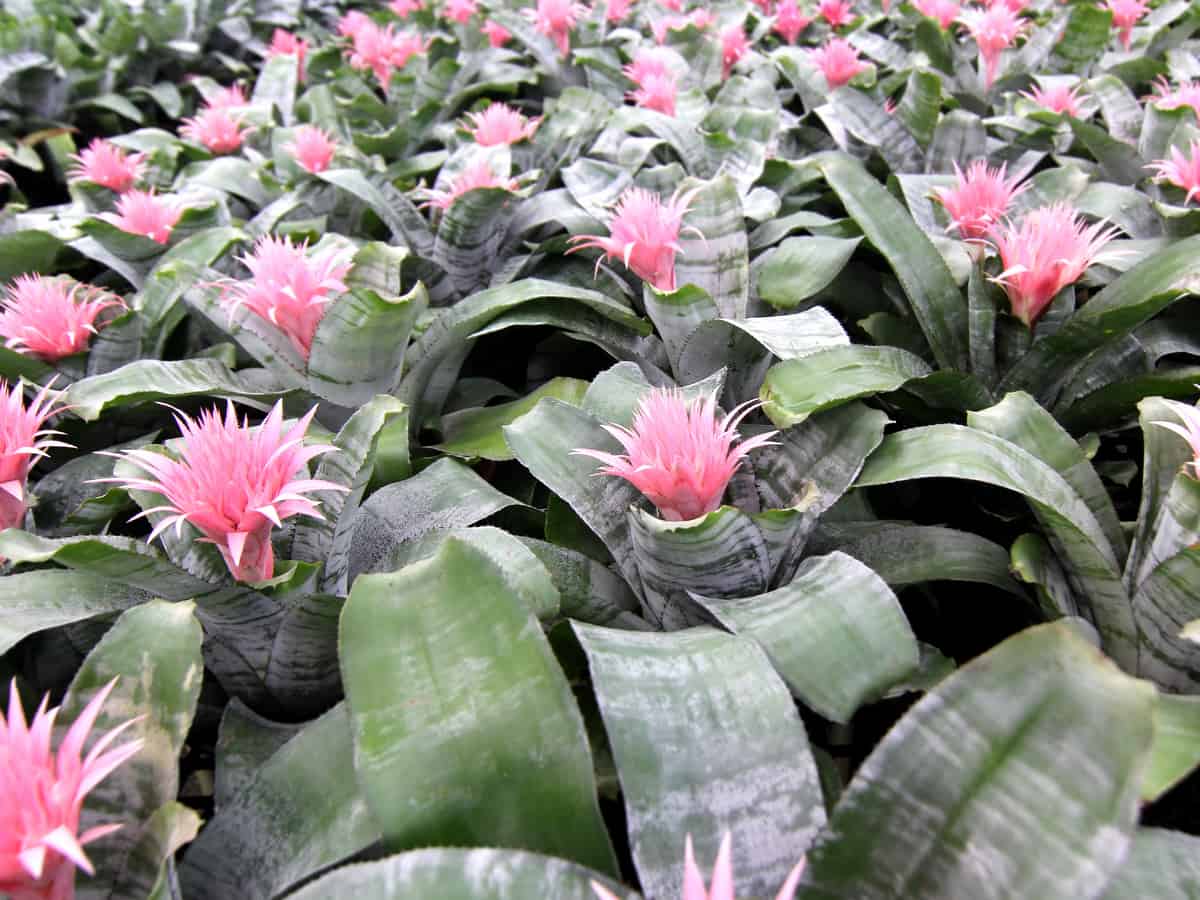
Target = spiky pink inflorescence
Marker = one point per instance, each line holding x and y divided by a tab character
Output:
1125	14
944	11
349	24
284	43
232	483
51	317
838	61
23	441
289	287
228	98
1050	249
478	175
656	83
790	21
994	30
1060	98
616	10
734	46
104	163
216	128
764	6
979	199
556	19
677	453
460	11
497	34
836	12
382	50
147	214
1189	431
500	124
42	794
644	233
1181	171
312	148
1185	94
673	5
405	8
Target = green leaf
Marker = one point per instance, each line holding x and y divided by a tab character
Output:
718	263
1176	749
685	768
35	601
276	84
470	234
477	432
1161	864
677	314
835	633
171	826
1017	776
245	742
588	591
449	681
154	650
394	208
799	268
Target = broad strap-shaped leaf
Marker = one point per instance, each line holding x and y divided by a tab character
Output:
470	234
800	267
276	84
393	207
452	873
48	598
1176	749
301	812
152	860
1163	605
477	432
676	314
245	742
1161	864
588	591
733	757
1017	776
154	650
450	681
835	633
719	262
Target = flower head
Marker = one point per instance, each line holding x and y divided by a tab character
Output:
616	10
836	12
290	287
1050	249
404	8
838	61
284	43
1189	431
228	98
944	11
383	51
556	19
677	453
1186	94
104	163
23	441
979	199
476	176
460	11
147	214
790	21
1060	98
500	124
1181	171
656	83
312	147
497	34
214	127
1125	14
232	483
644	233
995	29
349	24
42	794
51	317
734	46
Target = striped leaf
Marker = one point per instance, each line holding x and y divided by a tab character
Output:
718	263
1161	864
48	598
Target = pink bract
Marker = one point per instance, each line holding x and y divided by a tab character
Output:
383	51
944	11
994	30
51	317
500	124
1185	94
556	19
312	147
979	199
1050	249
677	453
644	234
1125	14
734	46
476	176
790	21
284	43
838	61
836	12
215	128
656	83
1061	99
497	34
147	214
228	98
232	483
22	442
1181	171
290	287
616	10
104	163
1189	431
42	794
405	8
460	11
349	24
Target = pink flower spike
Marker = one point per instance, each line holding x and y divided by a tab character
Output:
232	483
836	12
497	34
383	51
460	11
1181	171
677	453
284	43
51	317
500	124
790	21
616	10
644	234
838	62
349	24
1050	249
994	31
1059	99
764	6
1125	14
734	46
556	19
1186	94
215	128
479	175
312	148
229	98
23	442
673	5
405	8
701	18
43	793
979	200
406	46
944	11
656	84
104	163
1189	431
290	287
147	214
